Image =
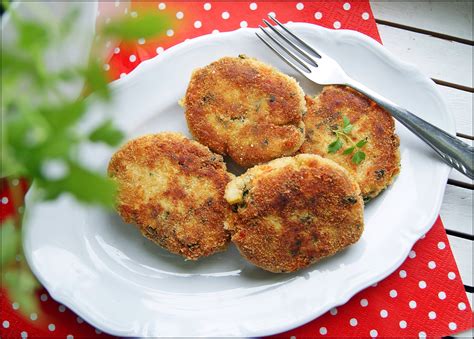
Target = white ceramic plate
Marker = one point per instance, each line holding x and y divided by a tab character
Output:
106	272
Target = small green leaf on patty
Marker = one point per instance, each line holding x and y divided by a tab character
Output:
335	146
347	129
349	150
361	143
358	157
345	121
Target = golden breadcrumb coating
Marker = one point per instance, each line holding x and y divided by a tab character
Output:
172	188
294	211
370	121
246	109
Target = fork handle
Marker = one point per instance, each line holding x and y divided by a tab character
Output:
453	151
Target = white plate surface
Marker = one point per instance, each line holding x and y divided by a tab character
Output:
106	272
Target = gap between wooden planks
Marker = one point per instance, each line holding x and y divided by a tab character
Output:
428	54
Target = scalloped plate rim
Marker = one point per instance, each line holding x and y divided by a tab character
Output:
74	304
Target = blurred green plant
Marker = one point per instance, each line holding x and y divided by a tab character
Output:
39	130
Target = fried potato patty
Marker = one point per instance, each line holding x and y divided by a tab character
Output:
173	188
293	211
246	109
370	122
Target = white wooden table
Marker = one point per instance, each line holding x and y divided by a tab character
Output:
438	38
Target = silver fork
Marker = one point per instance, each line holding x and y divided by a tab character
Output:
323	70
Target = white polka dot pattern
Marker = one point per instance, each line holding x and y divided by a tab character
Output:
395	300
225	15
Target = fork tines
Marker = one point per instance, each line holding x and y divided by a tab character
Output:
305	57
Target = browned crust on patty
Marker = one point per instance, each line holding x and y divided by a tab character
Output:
382	162
294	211
246	109
172	188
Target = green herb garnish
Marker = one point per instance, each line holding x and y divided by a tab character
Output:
342	134
42	126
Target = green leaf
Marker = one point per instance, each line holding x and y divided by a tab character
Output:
349	150
5	4
68	22
358	157
21	285
33	36
335	146
345	121
62	116
107	133
13	63
146	25
58	145
347	129
361	143
96	80
10	240
85	185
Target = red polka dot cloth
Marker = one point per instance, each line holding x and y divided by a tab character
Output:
423	297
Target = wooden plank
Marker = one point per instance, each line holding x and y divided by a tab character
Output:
455	175
437	58
468	333
461	178
469	297
448	17
459	103
462	251
456	209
